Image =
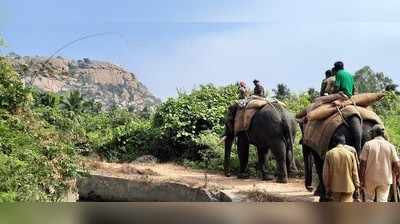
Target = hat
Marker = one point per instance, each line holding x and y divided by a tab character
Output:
256	81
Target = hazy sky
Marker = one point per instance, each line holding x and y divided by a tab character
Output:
172	44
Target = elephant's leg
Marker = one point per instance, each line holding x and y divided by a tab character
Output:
308	165
262	164
243	146
279	151
356	130
319	164
291	164
228	149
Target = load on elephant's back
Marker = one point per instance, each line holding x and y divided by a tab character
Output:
348	120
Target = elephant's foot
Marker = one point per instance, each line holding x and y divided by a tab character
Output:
310	188
243	176
317	192
293	174
282	180
267	177
227	172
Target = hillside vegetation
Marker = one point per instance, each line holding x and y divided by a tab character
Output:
44	134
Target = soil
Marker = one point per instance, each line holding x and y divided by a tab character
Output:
247	190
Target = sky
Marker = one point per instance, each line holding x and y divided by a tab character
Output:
180	44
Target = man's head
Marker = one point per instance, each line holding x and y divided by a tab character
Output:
242	84
328	73
338	66
339	139
256	82
377	131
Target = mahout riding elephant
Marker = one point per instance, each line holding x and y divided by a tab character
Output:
356	133
272	128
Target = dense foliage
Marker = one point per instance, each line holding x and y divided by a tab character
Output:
367	81
182	119
42	134
37	162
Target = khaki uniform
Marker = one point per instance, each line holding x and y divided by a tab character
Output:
379	156
340	173
244	92
328	86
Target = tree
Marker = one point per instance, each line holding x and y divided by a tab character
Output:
392	88
13	94
2	43
312	94
48	99
366	80
73	102
91	106
281	92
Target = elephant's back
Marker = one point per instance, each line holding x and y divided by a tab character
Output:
267	122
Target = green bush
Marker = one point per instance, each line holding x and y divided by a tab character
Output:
36	161
13	94
130	141
389	110
182	119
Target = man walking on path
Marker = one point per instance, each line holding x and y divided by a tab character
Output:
340	173
379	160
344	80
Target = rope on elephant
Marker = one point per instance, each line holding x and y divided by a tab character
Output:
341	115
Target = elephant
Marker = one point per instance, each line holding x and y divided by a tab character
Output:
356	132
273	129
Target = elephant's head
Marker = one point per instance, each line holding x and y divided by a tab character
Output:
229	136
230	120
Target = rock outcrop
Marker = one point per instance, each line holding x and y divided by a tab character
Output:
99	81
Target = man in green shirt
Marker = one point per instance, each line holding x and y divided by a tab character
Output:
344	80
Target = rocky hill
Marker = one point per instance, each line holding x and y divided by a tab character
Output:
100	81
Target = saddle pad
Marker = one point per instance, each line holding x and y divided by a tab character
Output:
318	133
244	116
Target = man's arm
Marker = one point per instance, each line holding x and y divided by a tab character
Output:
363	167
338	82
363	163
395	162
356	179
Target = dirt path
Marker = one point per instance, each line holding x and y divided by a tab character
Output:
243	190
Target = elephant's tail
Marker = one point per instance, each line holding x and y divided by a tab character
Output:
287	132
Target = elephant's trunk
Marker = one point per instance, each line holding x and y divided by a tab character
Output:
228	150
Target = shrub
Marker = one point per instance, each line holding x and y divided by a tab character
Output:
36	160
13	94
182	119
130	141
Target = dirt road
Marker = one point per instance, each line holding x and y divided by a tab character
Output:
236	189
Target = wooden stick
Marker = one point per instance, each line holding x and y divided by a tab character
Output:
394	185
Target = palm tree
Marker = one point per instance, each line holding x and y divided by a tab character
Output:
73	102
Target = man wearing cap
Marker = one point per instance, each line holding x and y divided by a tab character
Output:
344	80
258	89
340	172
379	160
